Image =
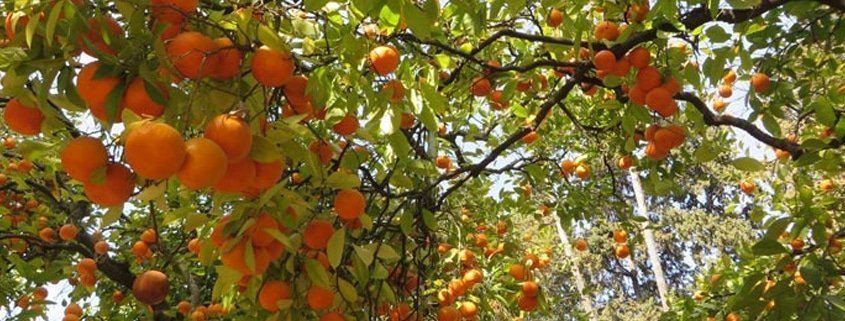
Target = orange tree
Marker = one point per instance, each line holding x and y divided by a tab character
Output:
410	160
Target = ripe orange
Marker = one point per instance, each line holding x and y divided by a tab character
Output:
733	317
604	60
725	91
94	36
25	120
384	60
138	100
719	105
468	310
332	316
448	313
101	247
319	298
639	57
518	272
637	95
323	150
155	150
568	166
625	162
191	53
228	58
582	171
531	137
149	236
184	307
748	187
346	126
82	156
317	233
258	231
235	258
473	276
296	92
408	121
606	30
622	251
480	86
205	164
68	232
443	161
622	67
660	100
173	10
669	137
530	288
94	92
349	204
555	18
268	174
637	12
826	185
115	190
73	309
648	78
396	90
729	78
527	303
271	293
86	266
237	178
272	67
232	134
151	287
760	82
620	236
47	234
581	245
497	101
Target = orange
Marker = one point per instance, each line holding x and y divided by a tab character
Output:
620	236
622	67
468	310
527	303
82	156
229	59
151	287
115	190
637	12
140	249
237	178
271	293
218	236
448	313
346	126
497	100
660	100
395	89
797	244
149	236
73	309
235	258
272	67
567	166
233	135
518	271
473	277
606	30
168	29
581	245
68	232
480	86
349	204
94	92
672	86
25	120
184	307
154	150
625	162
86	266
443	162
582	171
407	121
191	53
669	137
319	298
317	233
258	231
733	317
296	92
173	10
138	100
648	78
655	153
94	36
323	150
205	164
384	60
530	137
604	60
530	288
725	91
748	187
194	246
639	57
719	105
101	247
268	174
637	95
760	82
622	251
555	18
729	78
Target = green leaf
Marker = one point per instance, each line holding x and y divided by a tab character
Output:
429	220
153	191
270	38
31	27
264	151
194	220
768	247
824	112
771	124
315	5
335	247
343	180
8	57
57	9
347	290
111	216
366	254
316	272
717	34
705	153
748	164
387	253
276	234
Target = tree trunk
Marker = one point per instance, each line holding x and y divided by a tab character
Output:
650	244
580	285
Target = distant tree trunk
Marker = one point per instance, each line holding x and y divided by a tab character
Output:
650	244
586	303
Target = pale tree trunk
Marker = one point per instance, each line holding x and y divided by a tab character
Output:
580	285
650	244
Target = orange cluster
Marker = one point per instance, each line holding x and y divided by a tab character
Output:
86	268
202	312
580	168
73	312
662	140
141	248
620	237
258	237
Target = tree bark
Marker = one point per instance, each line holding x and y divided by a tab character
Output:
651	245
586	303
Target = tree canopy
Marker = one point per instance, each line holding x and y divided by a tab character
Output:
422	159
